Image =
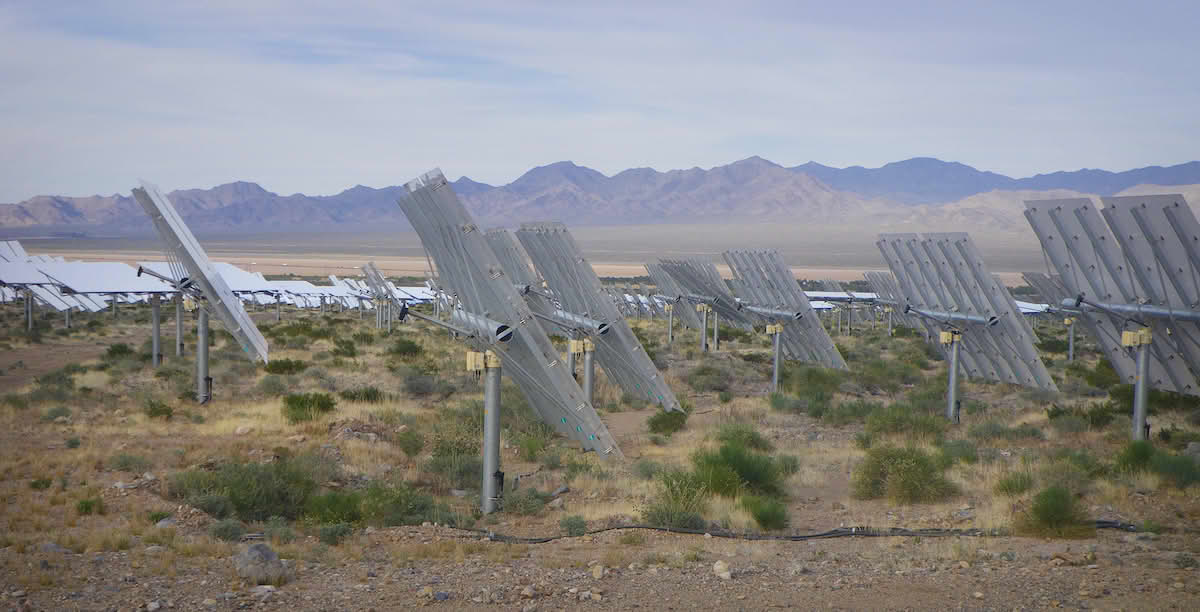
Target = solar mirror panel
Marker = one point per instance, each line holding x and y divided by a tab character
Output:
671	289
192	270
1089	263
560	261
468	268
763	279
700	279
944	272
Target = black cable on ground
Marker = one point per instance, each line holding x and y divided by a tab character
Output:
840	532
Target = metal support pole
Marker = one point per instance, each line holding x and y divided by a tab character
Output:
156	333
716	345
589	371
839	321
203	382
670	324
1071	339
1141	388
775	365
114	303
571	355
850	319
278	306
28	310
67	316
388	314
493	478
889	322
952	384
704	331
179	326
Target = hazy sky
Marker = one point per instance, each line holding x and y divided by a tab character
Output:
303	97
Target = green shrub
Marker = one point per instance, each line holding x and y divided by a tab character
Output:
56	412
903	475
529	446
300	407
1135	457
40	484
646	469
788	464
230	530
680	502
846	413
1069	424
1178	470
332	535
459	470
952	451
1103	376
769	513
574	525
157	409
128	463
157	515
369	395
94	505
333	507
745	435
384	506
993	430
425	385
277	531
285	366
807	379
756	472
708	377
725	397
1014	483
1082	460
411	442
525	502
405	348
1055	513
887	376
786	403
902	418
344	348
1053	345
116	351
73	442
214	505
667	423
254	491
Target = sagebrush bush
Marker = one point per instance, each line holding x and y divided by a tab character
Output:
1135	457
902	475
994	430
300	407
903	418
1055	513
92	505
1178	470
754	471
405	348
525	502
285	366
709	377
230	530
646	469
125	462
425	385
120	350
410	441
157	409
679	503
667	423
334	507
744	434
573	525
952	451
333	535
769	513
254	491
368	394
845	413
1014	483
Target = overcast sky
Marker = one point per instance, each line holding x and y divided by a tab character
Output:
302	97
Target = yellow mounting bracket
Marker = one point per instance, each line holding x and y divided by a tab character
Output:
949	337
491	360
474	361
1069	321
774	328
669	307
1137	337
703	308
588	345
575	347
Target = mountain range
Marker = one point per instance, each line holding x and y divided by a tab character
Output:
923	192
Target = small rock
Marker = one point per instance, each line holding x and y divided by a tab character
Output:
458	492
154	549
561	490
441	596
556	503
426	592
528	592
62	420
17	594
721	570
597	597
964	565
210	602
585	596
149	477
707	536
837	506
164	523
243	430
978	595
153	606
597	571
297	438
52	547
258	564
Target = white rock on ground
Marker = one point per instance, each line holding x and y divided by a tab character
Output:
721	570
258	564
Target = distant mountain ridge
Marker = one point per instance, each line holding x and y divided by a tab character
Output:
918	190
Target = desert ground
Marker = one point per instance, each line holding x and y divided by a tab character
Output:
620	251
121	493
